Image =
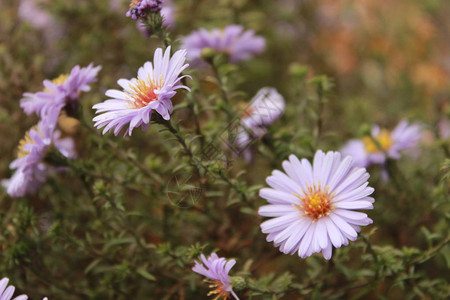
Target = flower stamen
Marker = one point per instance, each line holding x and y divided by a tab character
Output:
316	202
384	141
21	151
218	290
143	92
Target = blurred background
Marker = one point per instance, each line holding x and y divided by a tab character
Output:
388	60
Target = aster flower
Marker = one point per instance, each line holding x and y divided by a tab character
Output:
265	108
216	269
61	91
30	169
140	8
232	40
151	91
404	138
168	19
312	207
6	292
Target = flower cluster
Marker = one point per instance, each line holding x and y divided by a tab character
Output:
382	144
232	40
62	93
140	8
151	91
30	168
312	206
216	269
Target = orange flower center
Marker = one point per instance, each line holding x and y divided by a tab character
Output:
143	92
383	142
133	3
245	109
316	202
218	290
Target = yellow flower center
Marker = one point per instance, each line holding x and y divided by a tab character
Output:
143	92
384	141
218	290
58	80
316	202
21	152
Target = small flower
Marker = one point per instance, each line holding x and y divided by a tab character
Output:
382	144
30	169
313	206
140	8
168	19
151	91
60	92
216	269
232	40
6	292
265	108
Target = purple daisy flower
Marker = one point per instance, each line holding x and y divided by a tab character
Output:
312	206
62	91
365	152
6	292
265	108
140	8
216	269
30	170
151	91
232	40
167	13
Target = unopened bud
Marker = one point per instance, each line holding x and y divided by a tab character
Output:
238	283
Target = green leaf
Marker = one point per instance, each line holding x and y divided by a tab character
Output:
141	271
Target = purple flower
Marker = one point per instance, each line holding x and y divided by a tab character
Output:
6	292
216	269
365	152
151	91
265	108
30	170
167	13
312	207
232	40
60	92
140	8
